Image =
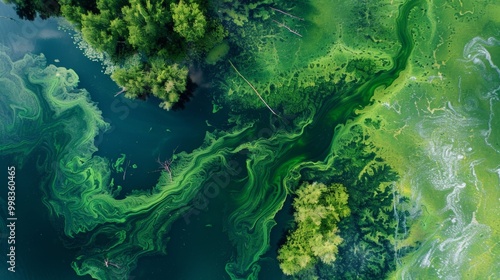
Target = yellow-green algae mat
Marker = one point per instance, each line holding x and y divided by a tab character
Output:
440	129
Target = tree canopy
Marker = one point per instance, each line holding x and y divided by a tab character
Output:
189	21
318	209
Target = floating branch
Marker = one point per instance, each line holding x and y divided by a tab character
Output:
107	263
258	94
125	172
124	89
165	165
285	13
289	29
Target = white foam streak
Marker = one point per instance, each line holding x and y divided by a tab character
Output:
476	52
426	260
457	136
490	127
477	183
450	164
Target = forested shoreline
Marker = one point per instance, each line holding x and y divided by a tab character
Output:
151	43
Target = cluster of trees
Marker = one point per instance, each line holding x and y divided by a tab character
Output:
166	34
318	210
139	79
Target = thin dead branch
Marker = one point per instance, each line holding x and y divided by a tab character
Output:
289	29
258	94
124	89
285	13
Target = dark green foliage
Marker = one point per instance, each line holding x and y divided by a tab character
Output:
189	21
147	23
141	79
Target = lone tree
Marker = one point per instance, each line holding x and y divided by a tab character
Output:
318	209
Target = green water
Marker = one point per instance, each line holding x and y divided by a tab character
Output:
415	143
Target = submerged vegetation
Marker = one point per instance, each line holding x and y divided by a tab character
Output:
379	218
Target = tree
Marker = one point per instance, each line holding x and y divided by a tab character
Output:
189	21
73	10
147	23
168	82
132	79
318	209
155	77
97	32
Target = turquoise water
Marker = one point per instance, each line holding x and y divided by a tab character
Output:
415	143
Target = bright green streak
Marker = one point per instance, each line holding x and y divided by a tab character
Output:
118	165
